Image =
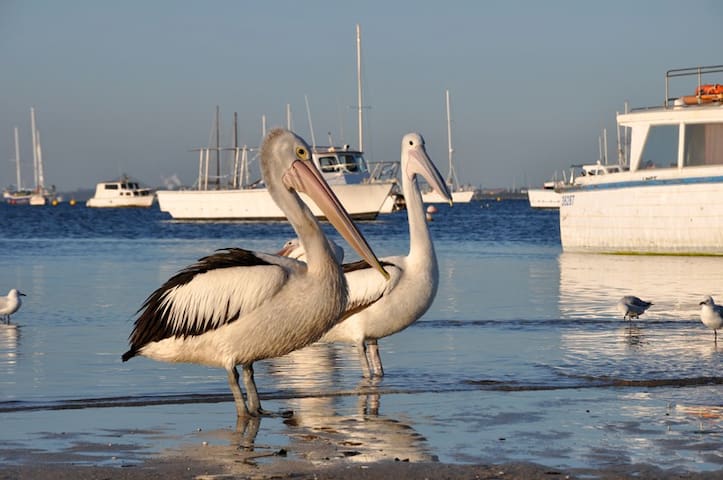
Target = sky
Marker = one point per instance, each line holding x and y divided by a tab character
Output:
131	87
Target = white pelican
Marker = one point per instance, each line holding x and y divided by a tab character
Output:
632	307
10	304
236	307
377	309
711	315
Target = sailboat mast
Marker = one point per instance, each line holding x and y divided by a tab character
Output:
35	146
218	148
359	89
450	150
18	185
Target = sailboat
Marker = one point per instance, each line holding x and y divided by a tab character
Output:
18	195
460	194
39	195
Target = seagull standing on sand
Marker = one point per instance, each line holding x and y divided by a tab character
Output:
632	307
711	315
10	304
236	307
377	309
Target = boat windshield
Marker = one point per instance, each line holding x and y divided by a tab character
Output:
344	162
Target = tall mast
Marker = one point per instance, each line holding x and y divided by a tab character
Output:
18	185
218	148
452	176
359	89
35	146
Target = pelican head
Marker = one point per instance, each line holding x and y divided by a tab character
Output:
286	160
415	161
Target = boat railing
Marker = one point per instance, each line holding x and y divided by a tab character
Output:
688	72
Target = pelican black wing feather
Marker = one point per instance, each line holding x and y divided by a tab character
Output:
154	323
361	265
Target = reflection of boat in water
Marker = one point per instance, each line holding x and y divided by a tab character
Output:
121	193
668	194
590	284
9	339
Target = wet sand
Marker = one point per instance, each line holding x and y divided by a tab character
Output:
321	455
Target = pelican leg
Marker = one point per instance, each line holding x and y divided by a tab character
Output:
241	410
252	395
363	360
375	361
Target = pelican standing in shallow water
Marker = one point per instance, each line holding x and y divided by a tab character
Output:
378	308
632	307
711	315
236	307
10	304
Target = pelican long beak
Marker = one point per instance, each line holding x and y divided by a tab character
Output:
420	163
313	184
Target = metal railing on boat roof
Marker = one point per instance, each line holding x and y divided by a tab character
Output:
688	72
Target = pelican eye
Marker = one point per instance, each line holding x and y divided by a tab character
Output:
302	153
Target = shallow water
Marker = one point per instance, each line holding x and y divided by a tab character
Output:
522	356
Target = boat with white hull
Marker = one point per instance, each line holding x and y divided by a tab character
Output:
361	201
667	195
545	197
344	169
121	193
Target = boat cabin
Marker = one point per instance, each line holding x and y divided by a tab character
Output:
341	165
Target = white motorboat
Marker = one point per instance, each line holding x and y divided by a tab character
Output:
123	192
666	194
545	197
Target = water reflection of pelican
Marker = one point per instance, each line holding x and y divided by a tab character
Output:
327	410
9	341
590	284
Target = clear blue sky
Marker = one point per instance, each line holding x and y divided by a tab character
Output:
131	86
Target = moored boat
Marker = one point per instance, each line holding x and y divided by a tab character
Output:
666	195
545	197
123	192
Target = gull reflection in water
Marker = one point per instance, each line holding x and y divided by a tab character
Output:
346	419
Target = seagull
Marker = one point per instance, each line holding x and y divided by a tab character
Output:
10	304
377	309
236	307
711	315
632	307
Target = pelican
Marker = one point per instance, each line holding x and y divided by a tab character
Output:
632	307
10	304
711	315
377	309
235	307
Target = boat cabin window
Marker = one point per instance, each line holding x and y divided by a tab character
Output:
111	186
328	164
353	163
703	144
661	147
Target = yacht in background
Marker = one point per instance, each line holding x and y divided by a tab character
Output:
123	192
460	193
666	194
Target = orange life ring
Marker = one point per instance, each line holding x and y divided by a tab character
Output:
709	89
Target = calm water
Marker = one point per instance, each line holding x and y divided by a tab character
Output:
521	357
